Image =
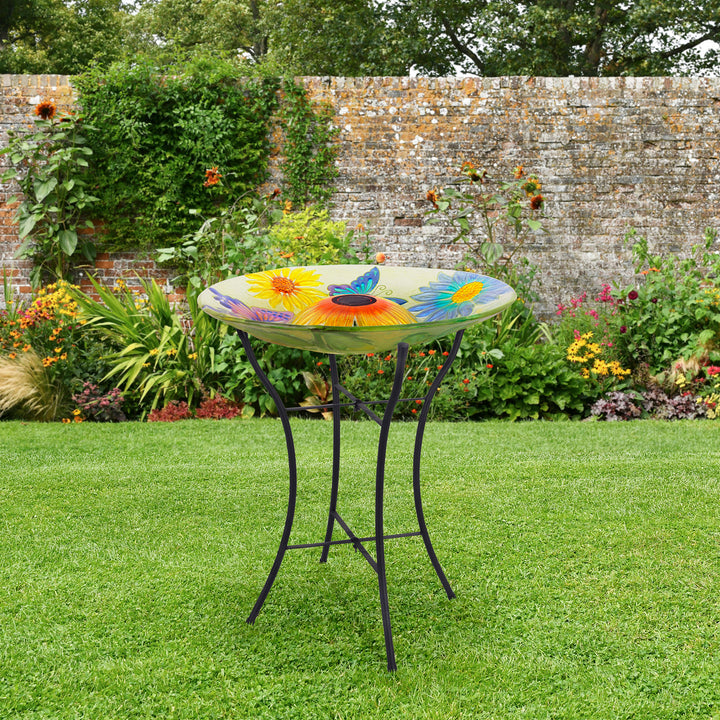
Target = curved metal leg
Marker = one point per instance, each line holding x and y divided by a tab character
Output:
292	472
335	379
402	354
416	463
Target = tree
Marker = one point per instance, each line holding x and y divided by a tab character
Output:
560	37
177	29
58	36
333	37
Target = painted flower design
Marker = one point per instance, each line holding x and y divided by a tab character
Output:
240	309
293	288
452	295
354	310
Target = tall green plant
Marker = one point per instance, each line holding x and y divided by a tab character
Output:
493	220
672	309
50	165
164	356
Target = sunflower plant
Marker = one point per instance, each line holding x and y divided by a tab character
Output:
50	165
493	220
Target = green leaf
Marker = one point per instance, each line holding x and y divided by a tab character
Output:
43	189
534	225
67	240
27	226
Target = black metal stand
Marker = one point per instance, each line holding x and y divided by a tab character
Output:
377	563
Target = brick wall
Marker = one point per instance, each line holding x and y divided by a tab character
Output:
611	152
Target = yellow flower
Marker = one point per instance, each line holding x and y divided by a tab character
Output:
192	356
77	411
294	288
170	352
154	351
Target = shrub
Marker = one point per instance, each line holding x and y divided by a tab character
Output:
309	237
26	390
68	353
99	406
617	406
163	355
218	408
673	310
173	411
528	381
155	136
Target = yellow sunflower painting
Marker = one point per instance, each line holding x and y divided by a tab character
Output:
293	288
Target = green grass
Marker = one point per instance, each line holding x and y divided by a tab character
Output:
585	558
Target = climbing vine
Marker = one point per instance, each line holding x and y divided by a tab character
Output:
310	151
155	137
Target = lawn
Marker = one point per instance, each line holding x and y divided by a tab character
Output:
585	558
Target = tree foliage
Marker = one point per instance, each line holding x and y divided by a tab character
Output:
58	36
560	37
370	37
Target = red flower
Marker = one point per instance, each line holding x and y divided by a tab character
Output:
632	295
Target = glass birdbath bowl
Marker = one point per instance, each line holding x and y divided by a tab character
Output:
344	309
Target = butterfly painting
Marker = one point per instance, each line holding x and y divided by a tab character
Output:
364	285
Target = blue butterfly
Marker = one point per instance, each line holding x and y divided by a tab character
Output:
363	285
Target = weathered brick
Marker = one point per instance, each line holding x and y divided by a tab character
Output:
611	152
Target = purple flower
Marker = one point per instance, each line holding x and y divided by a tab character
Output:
623	329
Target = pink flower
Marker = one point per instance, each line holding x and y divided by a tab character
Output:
605	295
712	370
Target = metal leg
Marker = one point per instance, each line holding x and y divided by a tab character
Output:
336	457
378	564
416	463
402	354
292	472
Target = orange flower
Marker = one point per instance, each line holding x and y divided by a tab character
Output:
472	172
519	172
536	202
212	177
45	110
431	196
380	258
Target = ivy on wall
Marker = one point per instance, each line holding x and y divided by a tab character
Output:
310	151
155	137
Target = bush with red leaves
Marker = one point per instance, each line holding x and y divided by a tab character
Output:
171	412
217	408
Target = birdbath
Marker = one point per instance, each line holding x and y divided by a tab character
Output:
345	309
